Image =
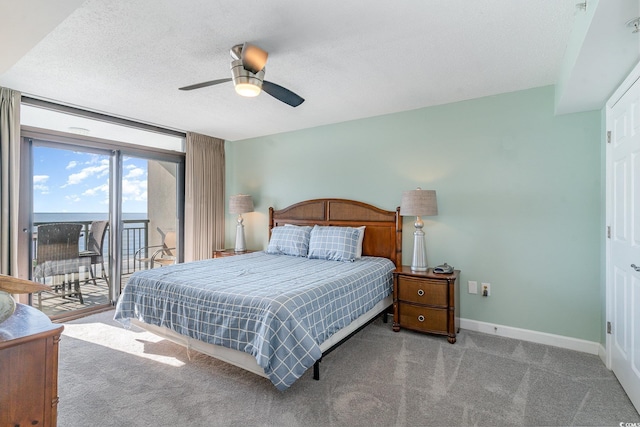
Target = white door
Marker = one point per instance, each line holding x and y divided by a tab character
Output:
623	291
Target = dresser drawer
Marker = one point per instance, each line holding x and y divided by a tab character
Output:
421	291
423	318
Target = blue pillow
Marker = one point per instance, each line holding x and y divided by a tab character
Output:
334	243
290	240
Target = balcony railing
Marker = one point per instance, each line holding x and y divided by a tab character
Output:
134	237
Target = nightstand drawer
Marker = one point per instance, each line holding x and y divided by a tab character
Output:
421	291
423	318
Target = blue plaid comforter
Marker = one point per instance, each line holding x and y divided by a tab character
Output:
277	308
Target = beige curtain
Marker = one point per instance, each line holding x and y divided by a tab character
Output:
9	179
204	196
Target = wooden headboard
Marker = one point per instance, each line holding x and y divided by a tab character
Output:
382	237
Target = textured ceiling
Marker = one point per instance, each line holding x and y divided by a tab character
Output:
348	59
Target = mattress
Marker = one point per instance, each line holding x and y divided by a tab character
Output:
277	308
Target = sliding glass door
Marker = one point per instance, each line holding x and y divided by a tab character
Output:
98	216
101	197
70	248
150	214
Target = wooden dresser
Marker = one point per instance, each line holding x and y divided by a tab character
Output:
426	302
29	369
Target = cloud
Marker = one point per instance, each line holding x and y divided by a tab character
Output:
39	182
72	164
73	198
43	189
101	189
99	171
134	190
134	172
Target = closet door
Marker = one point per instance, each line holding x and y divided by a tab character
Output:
623	275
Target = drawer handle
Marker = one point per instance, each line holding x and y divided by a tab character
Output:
421	318
420	292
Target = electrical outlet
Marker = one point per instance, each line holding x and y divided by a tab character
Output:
473	287
486	289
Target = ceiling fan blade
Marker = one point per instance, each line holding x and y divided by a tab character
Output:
282	94
205	84
253	58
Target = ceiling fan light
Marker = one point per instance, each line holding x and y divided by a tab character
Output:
245	82
247	89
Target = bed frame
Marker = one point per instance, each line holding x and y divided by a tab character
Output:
382	237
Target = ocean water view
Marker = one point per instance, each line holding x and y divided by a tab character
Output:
41	217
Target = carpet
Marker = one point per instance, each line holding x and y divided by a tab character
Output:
111	376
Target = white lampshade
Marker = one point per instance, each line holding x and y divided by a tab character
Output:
241	203
419	203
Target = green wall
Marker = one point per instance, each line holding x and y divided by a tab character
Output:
519	197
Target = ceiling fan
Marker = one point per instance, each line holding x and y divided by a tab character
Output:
247	74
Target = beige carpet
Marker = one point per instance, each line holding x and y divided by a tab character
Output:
110	376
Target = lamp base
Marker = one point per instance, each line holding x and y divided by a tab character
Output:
240	244
419	262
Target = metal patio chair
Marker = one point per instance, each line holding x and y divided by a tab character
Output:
165	255
94	251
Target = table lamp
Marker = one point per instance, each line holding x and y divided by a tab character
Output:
240	204
419	203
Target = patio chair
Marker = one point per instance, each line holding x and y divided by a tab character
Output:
165	255
95	244
58	258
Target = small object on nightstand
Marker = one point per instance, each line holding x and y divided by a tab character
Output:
443	269
424	301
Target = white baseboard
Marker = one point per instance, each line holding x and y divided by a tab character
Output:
584	346
602	352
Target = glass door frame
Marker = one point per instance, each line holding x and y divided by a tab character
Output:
116	151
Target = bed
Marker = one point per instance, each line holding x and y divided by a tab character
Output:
275	313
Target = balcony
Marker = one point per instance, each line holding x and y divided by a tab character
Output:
135	236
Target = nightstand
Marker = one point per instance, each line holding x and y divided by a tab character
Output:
219	253
426	302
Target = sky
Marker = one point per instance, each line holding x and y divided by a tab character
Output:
69	181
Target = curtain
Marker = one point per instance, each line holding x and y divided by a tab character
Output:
204	196
9	180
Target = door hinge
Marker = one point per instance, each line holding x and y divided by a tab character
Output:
608	231
608	327
608	137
